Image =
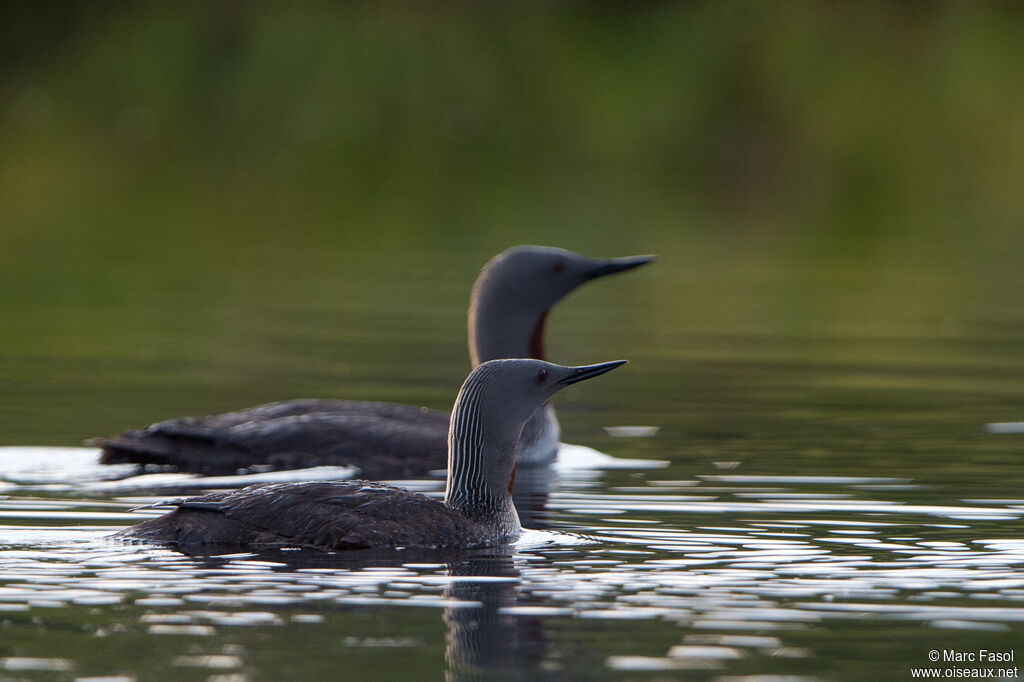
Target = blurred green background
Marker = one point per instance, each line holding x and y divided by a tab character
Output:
208	205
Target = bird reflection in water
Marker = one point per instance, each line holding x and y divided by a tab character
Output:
483	642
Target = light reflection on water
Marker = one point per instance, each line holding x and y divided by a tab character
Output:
745	569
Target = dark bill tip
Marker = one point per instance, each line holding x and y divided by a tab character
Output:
611	266
591	371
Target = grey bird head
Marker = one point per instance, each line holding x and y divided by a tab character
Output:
495	402
517	288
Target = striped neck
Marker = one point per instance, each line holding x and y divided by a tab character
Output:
481	459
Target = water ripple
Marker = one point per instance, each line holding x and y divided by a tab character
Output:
743	566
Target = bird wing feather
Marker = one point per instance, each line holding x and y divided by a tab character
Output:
325	515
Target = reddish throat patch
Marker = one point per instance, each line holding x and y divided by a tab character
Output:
537	338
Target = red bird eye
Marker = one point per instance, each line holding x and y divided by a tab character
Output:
558	266
542	374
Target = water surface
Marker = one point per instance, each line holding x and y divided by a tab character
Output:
710	574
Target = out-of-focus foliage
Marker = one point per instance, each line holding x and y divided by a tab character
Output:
860	119
207	204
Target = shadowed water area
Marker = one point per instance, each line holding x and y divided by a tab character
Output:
811	467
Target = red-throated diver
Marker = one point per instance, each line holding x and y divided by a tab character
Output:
490	412
509	304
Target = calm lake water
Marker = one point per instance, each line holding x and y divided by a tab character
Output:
816	494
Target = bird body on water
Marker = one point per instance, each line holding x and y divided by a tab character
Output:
508	309
493	405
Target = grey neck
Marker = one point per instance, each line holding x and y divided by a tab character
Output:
503	323
480	470
478	501
539	443
494	336
504	329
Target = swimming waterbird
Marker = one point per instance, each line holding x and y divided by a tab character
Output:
508	308
490	412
